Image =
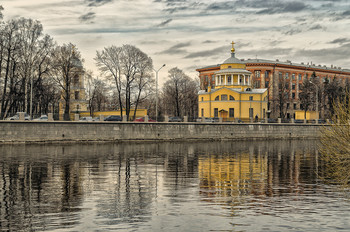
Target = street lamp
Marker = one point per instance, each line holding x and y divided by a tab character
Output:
157	90
316	100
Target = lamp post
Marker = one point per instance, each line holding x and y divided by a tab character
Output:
31	98
157	90
316	100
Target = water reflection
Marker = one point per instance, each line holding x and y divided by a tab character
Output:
158	186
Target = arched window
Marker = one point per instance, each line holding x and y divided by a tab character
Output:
217	98
232	98
224	97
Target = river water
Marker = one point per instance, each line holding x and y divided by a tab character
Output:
194	186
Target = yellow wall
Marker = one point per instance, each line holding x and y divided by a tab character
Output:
300	115
225	66
241	104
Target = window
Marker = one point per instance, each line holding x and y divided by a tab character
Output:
287	75
224	97
257	74
229	67
266	84
202	98
217	98
266	74
250	98
293	95
299	76
232	98
231	112
202	112
293	86
280	75
293	76
287	106
76	94
229	78
257	84
251	112
76	79
216	112
295	106
222	79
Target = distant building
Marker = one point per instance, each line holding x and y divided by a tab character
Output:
78	102
229	93
269	74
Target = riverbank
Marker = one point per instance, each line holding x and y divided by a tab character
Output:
61	131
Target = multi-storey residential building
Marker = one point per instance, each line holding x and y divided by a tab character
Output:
269	74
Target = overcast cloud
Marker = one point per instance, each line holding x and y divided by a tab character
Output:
189	34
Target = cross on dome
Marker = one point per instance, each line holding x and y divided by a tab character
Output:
232	49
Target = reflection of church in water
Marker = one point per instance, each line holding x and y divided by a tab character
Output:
254	172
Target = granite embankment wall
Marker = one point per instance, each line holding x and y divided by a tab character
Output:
30	131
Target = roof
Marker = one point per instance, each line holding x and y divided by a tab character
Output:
249	62
233	60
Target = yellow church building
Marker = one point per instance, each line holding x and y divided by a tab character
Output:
230	95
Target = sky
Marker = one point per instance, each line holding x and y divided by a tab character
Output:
190	34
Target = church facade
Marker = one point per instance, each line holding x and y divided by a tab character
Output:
230	95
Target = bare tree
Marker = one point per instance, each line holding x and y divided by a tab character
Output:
335	146
333	90
9	43
284	90
1	9
180	94
96	91
130	68
67	63
308	91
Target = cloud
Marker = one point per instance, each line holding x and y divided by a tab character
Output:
260	6
293	31
284	7
339	54
340	41
207	53
268	53
346	13
87	17
162	24
209	41
95	3
316	27
176	49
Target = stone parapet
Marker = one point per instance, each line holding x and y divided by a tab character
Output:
31	131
